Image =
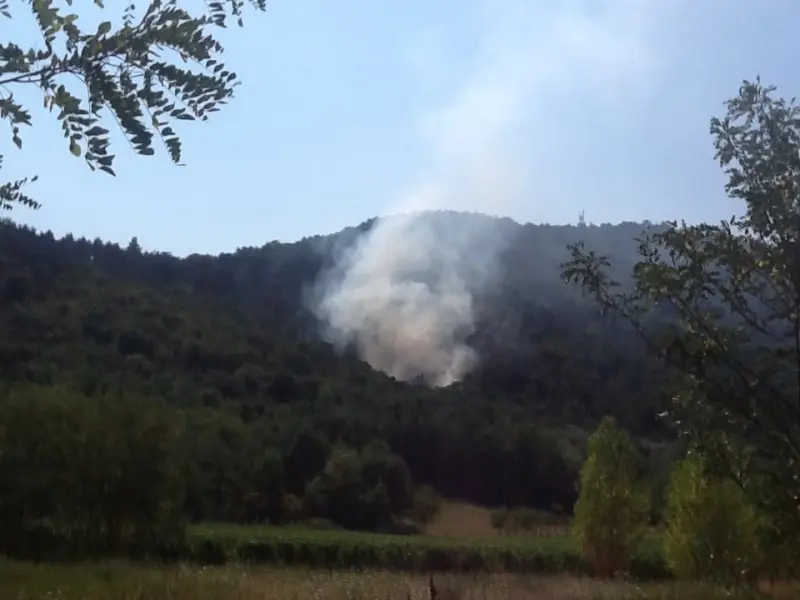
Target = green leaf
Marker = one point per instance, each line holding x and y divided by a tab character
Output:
96	131
123	71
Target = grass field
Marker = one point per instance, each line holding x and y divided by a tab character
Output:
448	550
285	546
123	581
460	539
247	562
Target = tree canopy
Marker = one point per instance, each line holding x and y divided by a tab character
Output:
275	419
733	293
611	510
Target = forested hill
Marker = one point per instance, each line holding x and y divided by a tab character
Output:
233	333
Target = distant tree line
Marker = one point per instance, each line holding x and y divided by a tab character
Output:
264	422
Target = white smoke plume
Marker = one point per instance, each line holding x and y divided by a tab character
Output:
403	294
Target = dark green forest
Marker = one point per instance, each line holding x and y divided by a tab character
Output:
203	389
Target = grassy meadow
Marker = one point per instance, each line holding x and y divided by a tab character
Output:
470	557
460	540
123	581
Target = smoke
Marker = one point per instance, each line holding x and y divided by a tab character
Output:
404	293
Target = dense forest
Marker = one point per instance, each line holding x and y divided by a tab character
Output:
244	412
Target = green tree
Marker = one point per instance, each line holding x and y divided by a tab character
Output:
720	305
379	465
612	509
347	493
711	529
93	474
129	70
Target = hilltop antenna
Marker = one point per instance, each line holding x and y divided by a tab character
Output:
582	219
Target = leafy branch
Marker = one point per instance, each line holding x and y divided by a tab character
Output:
720	304
132	71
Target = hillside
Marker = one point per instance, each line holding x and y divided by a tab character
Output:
235	342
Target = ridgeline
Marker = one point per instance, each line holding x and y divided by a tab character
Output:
246	414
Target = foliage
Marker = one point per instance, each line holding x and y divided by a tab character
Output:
427	504
611	511
348	549
711	529
361	490
780	559
129	71
226	341
112	474
732	292
101	474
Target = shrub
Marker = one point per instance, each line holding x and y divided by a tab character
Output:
779	555
711	530
343	494
426	506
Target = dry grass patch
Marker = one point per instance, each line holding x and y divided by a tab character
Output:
462	520
121	581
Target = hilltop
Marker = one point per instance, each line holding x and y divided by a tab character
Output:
234	342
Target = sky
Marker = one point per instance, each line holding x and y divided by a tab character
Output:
532	109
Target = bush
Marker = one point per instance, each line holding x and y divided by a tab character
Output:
780	556
344	493
426	506
711	530
612	511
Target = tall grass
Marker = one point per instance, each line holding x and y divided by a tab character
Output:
221	544
122	581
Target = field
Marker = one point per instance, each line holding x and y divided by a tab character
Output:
255	545
469	557
122	581
466	545
461	539
457	519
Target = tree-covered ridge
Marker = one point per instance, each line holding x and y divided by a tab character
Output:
236	327
274	418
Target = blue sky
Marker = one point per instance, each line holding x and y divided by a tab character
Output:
350	109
